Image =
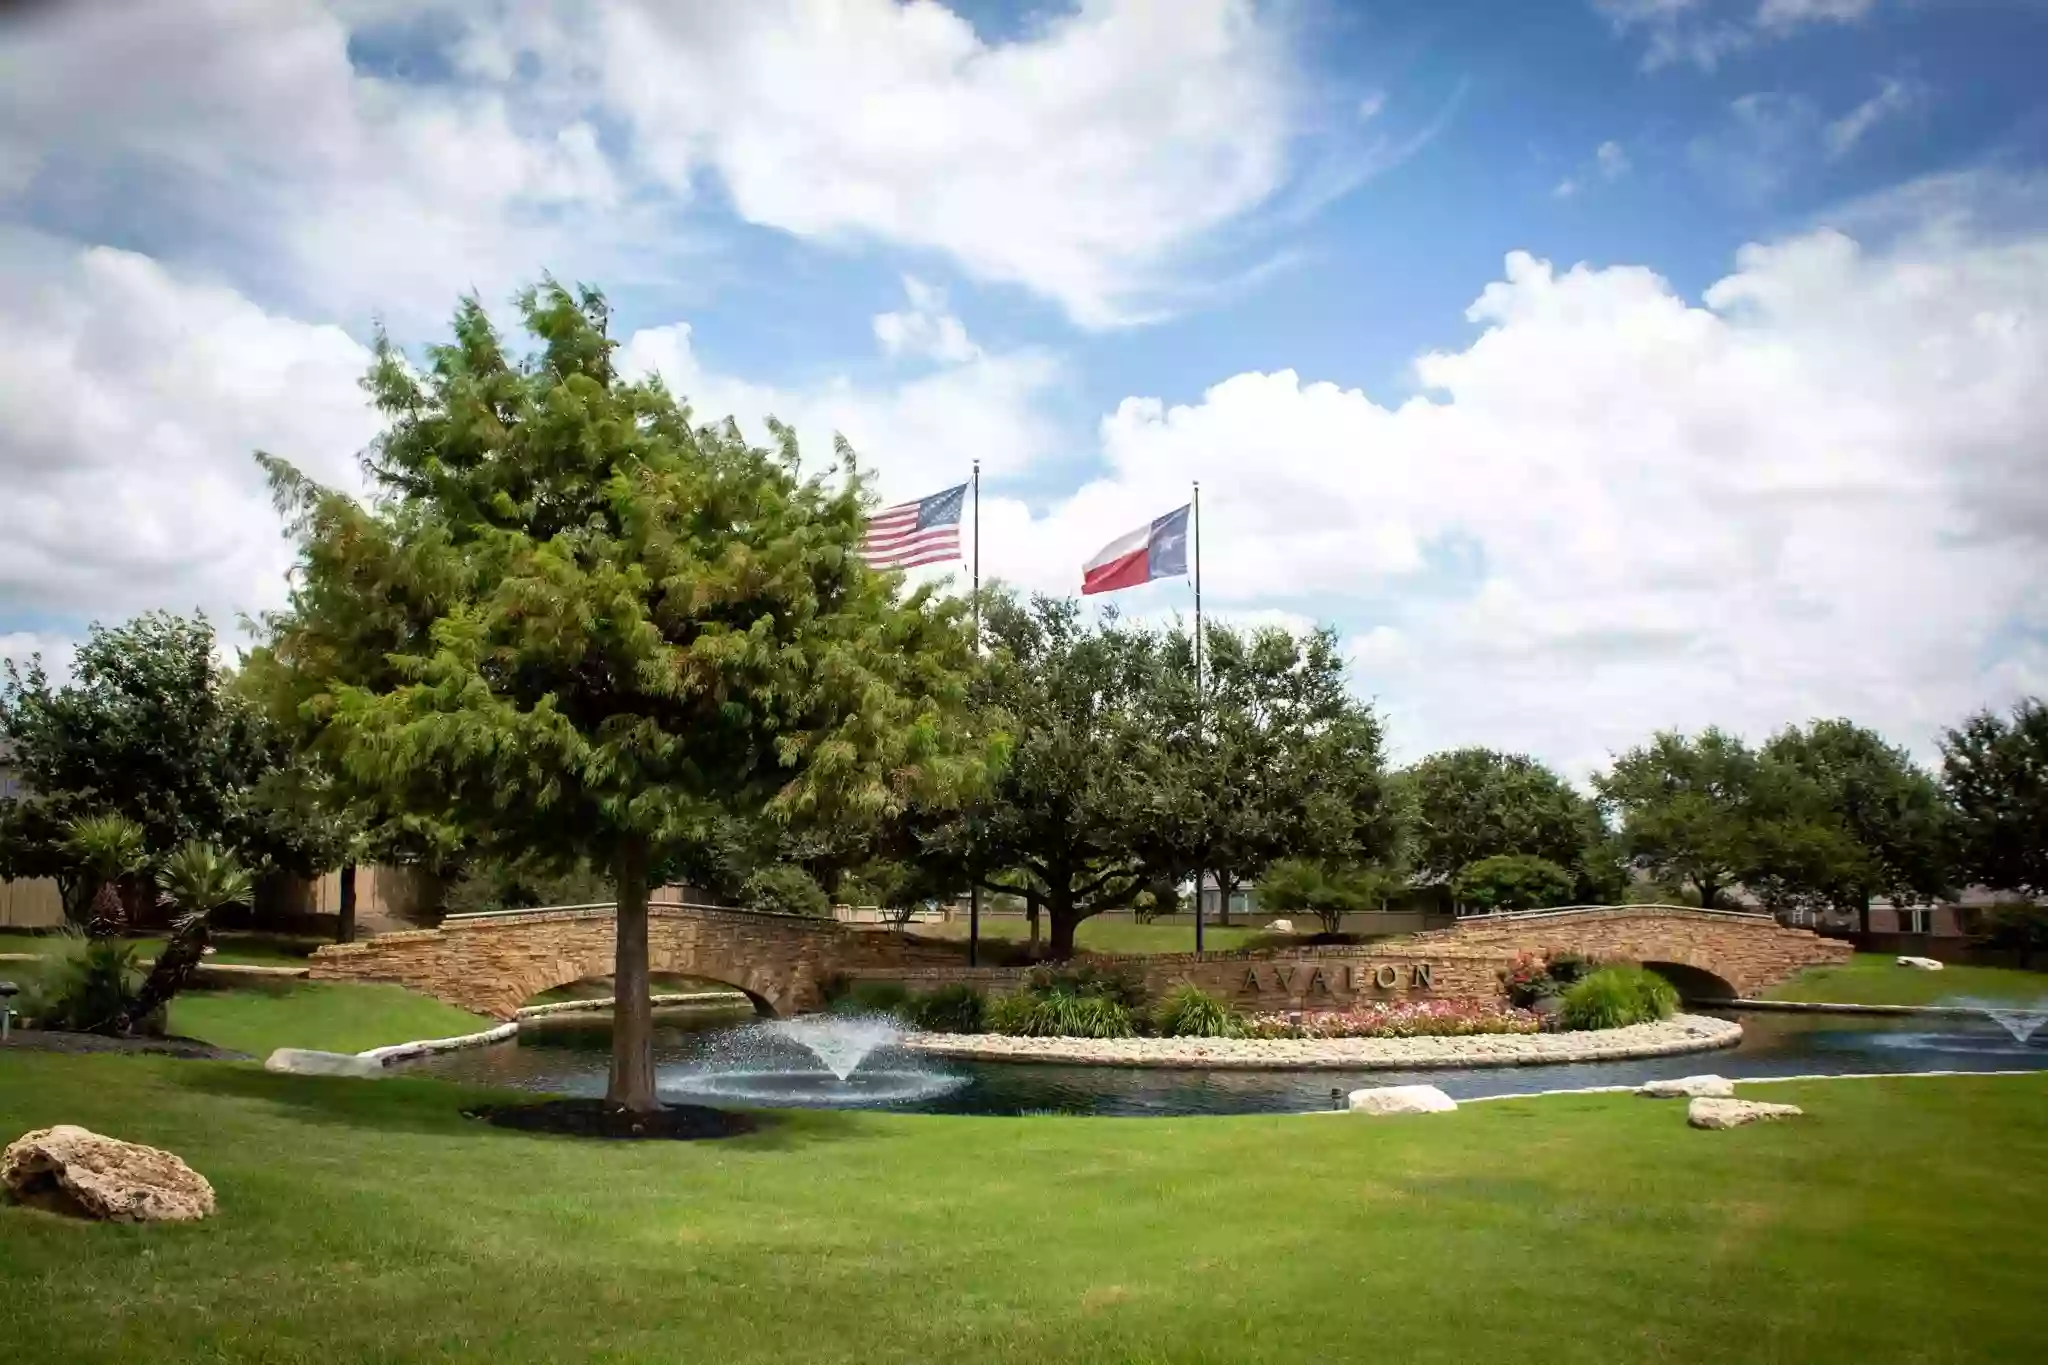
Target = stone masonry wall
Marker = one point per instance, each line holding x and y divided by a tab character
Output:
493	966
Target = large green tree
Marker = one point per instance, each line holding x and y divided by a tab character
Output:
1472	804
150	726
571	623
1089	773
1271	757
1858	819
1691	809
1995	771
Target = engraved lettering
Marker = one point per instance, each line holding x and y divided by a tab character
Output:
1387	976
1317	984
1251	980
1423	982
1284	980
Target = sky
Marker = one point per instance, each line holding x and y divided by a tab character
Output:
1593	367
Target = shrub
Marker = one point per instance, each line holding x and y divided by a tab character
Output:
871	997
1058	1014
1615	997
1512	881
83	985
787	888
957	1008
1191	1012
1087	980
1399	1019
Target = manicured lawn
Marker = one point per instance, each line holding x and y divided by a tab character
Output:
257	1017
1878	979
1108	935
1901	1221
251	950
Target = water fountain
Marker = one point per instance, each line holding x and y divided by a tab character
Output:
2021	1024
751	1065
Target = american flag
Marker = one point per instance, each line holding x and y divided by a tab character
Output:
912	533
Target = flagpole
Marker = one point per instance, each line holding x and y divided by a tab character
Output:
1200	699
974	849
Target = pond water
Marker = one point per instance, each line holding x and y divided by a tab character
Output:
722	1058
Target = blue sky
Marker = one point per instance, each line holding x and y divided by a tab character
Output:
1593	365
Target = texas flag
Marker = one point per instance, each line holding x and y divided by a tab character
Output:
1157	550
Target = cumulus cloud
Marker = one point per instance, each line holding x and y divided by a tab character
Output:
925	328
130	402
1815	491
1078	160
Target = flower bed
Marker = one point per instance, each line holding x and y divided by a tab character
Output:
1399	1019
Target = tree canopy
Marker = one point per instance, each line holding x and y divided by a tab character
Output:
574	624
1995	771
1471	804
1691	809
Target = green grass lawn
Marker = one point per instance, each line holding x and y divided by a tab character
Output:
1878	979
1109	935
241	949
258	1016
1901	1221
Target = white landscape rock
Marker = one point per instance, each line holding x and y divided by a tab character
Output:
75	1170
1717	1113
1280	926
300	1061
1923	964
1401	1099
1689	1088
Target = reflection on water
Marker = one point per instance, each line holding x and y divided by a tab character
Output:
692	1062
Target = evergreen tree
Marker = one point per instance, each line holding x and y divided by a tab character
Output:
576	626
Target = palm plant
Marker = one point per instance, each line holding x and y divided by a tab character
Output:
197	880
111	847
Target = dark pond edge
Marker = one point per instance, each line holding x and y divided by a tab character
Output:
593	1118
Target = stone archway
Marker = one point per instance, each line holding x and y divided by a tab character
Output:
1696	985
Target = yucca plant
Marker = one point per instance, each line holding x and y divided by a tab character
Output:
197	880
110	847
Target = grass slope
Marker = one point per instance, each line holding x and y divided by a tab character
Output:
1901	1221
259	1016
241	949
1878	979
1110	935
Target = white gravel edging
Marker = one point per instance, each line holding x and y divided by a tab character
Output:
659	1002
405	1052
1678	1034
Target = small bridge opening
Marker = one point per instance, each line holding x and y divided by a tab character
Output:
677	989
1696	985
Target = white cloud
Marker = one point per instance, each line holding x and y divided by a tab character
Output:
918	435
1080	160
1816	492
925	328
1610	162
241	132
1894	97
1703	34
130	402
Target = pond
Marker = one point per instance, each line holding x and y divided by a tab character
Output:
725	1058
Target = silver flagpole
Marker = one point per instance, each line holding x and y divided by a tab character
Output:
973	852
1200	697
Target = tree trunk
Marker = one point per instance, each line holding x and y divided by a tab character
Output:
1709	889
632	1078
170	974
1222	899
1863	915
1031	914
345	922
1063	926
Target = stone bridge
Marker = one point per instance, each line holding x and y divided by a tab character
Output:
492	964
1707	954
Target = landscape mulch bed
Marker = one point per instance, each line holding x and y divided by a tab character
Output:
597	1119
52	1040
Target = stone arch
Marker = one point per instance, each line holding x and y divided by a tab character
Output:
1695	983
600	963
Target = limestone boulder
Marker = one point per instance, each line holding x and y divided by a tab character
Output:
301	1061
1920	964
77	1171
1280	926
1401	1099
1718	1113
1689	1088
